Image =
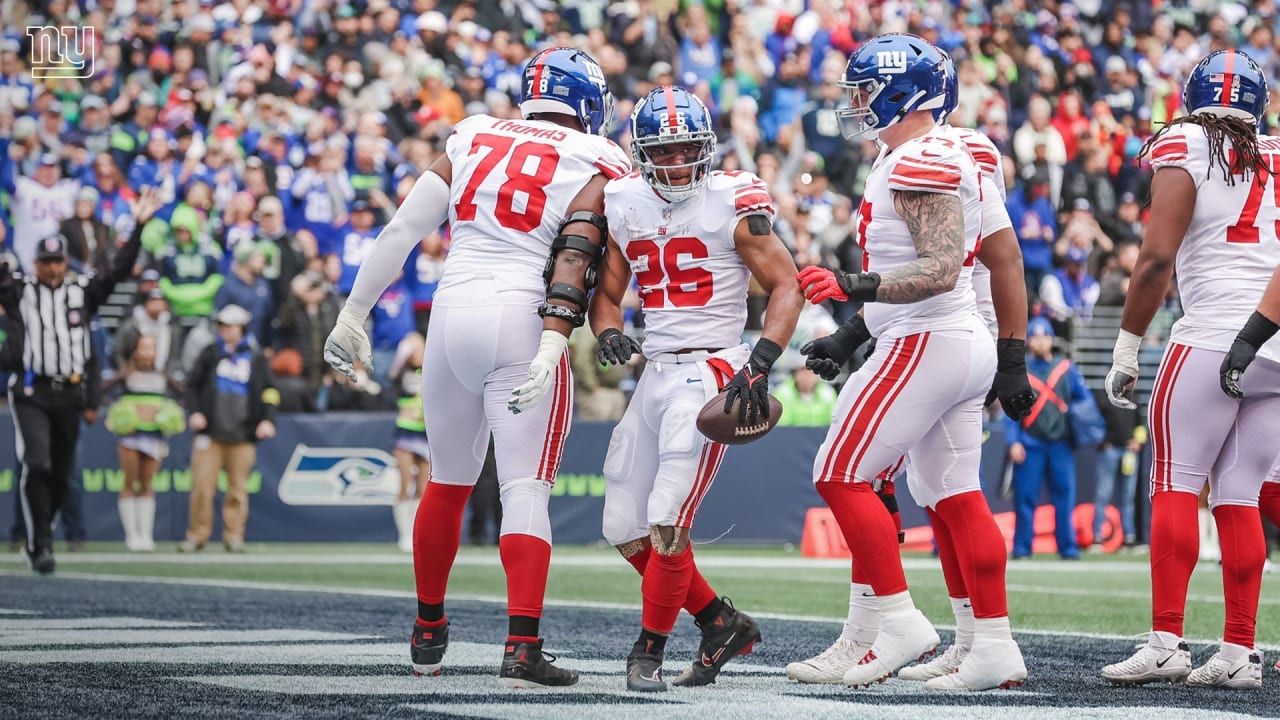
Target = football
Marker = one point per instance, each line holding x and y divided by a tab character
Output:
723	427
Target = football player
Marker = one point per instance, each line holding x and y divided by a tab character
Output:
921	392
1213	213
525	202
1002	303
692	237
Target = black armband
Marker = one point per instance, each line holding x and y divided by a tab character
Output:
1258	330
575	317
765	354
1011	354
580	244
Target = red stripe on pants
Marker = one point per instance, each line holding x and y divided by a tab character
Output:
865	408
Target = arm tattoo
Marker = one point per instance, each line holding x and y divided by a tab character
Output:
936	223
759	225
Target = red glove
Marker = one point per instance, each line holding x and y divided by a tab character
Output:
820	284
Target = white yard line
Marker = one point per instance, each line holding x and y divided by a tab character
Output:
501	600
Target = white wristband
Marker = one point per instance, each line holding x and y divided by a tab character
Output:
551	346
1125	354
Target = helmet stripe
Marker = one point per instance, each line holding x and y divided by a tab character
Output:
1228	73
537	75
672	119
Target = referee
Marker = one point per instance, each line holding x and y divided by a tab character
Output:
50	316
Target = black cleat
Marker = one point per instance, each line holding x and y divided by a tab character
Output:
426	648
644	670
731	634
525	665
41	562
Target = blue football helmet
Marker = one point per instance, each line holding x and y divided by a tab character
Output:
889	77
952	89
565	81
1227	83
671	116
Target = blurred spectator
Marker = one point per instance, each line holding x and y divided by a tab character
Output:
40	203
90	242
151	318
233	403
1070	292
413	457
806	400
393	320
1035	225
425	269
189	274
245	287
354	243
595	387
304	321
286	256
1113	286
1117	460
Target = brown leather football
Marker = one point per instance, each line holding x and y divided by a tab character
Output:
723	427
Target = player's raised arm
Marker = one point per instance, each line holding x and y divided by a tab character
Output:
570	274
605	313
425	209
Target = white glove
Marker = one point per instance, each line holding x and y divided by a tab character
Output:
542	372
348	343
1123	375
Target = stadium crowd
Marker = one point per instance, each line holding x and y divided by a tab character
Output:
283	133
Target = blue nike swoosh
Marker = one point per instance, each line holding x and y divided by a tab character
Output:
692	380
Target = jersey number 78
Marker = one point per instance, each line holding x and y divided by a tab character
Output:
533	185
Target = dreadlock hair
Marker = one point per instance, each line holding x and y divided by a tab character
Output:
1245	157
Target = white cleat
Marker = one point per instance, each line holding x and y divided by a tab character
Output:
944	664
904	637
830	665
1160	659
1221	671
991	664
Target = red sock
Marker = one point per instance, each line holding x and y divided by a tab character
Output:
437	532
1269	502
525	559
700	591
951	572
979	551
868	531
1175	546
1244	550
664	589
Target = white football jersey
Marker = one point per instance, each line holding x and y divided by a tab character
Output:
1231	247
936	162
693	283
995	217
37	213
513	181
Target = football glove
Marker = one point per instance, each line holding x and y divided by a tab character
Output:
348	343
826	356
1010	384
542	372
1123	375
750	387
1255	333
615	348
820	284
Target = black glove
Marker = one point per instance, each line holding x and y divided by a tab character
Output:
827	355
1253	335
751	385
1011	384
615	348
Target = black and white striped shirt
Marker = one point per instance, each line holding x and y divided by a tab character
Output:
56	327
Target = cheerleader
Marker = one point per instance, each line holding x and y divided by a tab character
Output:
144	417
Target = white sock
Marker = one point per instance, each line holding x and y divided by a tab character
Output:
992	628
963	610
128	519
864	614
145	520
897	603
1232	652
404	511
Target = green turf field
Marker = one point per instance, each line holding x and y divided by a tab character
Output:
1108	595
